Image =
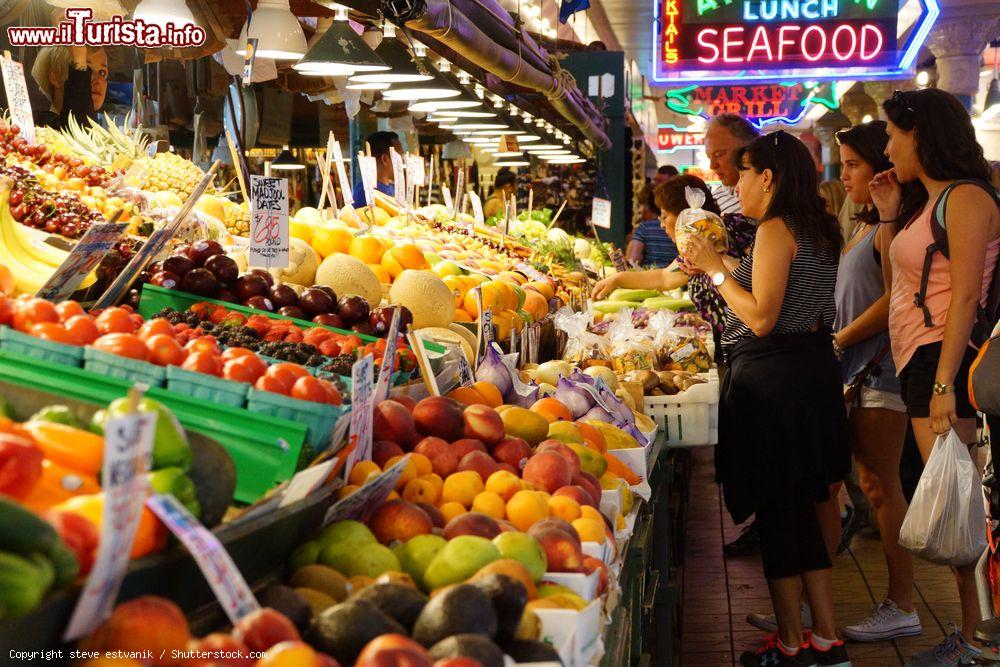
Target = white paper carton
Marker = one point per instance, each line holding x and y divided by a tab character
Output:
582	628
584	585
599	550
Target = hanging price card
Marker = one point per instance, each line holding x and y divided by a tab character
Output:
600	213
384	384
369	172
448	203
398	177
128	446
269	238
17	96
219	570
362	410
82	260
465	376
359	505
345	182
477	207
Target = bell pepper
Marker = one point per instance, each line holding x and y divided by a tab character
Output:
170	445
79	534
20	465
57	484
97	422
59	414
150	536
73	448
176	482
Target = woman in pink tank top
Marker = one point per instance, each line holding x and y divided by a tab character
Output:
932	142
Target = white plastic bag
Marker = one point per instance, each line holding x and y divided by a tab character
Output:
946	522
696	221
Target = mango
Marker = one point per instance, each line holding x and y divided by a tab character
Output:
525	424
565	431
590	461
614	436
524	549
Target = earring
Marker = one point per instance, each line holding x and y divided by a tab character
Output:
767	189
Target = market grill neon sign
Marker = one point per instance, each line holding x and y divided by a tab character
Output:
761	103
783	40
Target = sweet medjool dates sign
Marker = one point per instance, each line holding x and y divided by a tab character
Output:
268	222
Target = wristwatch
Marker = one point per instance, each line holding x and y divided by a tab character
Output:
718	278
941	388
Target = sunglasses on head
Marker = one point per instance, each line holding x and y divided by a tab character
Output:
903	113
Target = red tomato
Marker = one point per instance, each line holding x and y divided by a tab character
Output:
236	353
68	309
276	384
83	328
204	344
164	350
115	320
155	326
122	344
6	310
295	370
137	321
203	310
243	369
55	333
333	396
308	388
201	361
28	312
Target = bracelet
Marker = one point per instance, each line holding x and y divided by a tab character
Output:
837	350
888	222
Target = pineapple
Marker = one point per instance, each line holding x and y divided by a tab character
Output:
169	171
238	218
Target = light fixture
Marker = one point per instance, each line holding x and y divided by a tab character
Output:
542	148
277	30
473	126
286	161
511	163
923	78
867	118
567	160
528	138
339	52
506	154
436	88
472	139
371	85
464	113
462	101
393	54
499	132
162	12
548	154
539	122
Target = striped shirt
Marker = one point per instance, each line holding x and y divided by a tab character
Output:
727	200
657	248
809	295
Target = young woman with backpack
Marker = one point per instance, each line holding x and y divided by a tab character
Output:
932	142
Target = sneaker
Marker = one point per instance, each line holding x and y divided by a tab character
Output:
953	651
887	621
772	655
768	622
747	544
835	656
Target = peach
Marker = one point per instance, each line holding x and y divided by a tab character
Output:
563	552
512	451
508	467
262	629
483	423
421	490
563	450
472	523
439	416
480	462
443	459
218	642
393	650
548	471
590	565
434	513
406	402
590	484
290	654
579	494
394	423
556	523
399	520
143	623
466	445
507	526
383	450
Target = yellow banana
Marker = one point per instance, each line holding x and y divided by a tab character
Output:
29	274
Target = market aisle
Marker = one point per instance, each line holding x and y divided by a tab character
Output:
719	593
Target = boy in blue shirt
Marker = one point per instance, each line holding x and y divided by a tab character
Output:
380	143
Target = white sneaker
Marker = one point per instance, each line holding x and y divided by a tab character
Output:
768	622
887	621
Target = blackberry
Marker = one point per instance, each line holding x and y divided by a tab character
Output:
315	360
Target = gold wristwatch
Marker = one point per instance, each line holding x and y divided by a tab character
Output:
940	388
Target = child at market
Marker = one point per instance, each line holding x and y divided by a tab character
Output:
932	144
504	187
781	448
651	247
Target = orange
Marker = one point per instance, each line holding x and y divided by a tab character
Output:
590	530
564	508
491	299
367	248
504	323
535	304
423	464
347	490
390	265
490	393
383	276
450	510
394	495
409	472
462	316
457	287
421	490
552	409
409	256
462	487
526	508
289	654
490	504
542	288
507	298
362	470
504	483
466	395
329	240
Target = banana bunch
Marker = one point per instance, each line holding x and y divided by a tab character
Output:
31	261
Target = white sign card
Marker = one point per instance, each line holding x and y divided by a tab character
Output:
345	183
466	377
448	202
306	481
360	504
82	260
600	213
17	96
269	238
398	177
477	207
384	384
362	411
128	448
369	172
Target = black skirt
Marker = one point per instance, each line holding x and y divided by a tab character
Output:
782	420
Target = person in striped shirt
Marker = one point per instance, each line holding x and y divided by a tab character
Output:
650	247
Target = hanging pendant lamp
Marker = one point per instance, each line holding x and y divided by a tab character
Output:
278	32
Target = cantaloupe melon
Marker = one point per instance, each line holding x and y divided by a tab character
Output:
348	275
426	296
303	262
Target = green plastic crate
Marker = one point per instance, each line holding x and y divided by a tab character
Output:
319	418
133	370
21	343
207	387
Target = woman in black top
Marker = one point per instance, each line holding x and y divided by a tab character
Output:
783	426
75	79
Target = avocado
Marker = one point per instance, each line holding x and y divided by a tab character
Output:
283	599
324	579
458	609
476	647
214	475
401	602
529	650
509	598
318	602
343	630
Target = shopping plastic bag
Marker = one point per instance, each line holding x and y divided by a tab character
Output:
946	522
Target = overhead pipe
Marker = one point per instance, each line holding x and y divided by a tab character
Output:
450	22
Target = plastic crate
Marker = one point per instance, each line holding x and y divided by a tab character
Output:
58	353
133	370
319	418
686	419
207	387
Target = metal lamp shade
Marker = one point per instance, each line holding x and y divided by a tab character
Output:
277	30
286	161
436	88
339	51
401	67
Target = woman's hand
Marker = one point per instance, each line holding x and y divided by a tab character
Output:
703	256
604	287
942	413
887	194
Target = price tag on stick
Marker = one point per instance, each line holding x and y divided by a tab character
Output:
384	384
446	193
477	207
600	213
18	101
362	411
398	177
426	372
83	259
369	172
360	504
268	222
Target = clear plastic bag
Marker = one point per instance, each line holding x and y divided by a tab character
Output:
631	349
696	221
581	345
946	521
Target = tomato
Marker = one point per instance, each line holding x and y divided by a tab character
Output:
236	353
6	310
55	333
28	312
204	344
164	350
137	321
242	369
156	326
115	320
295	370
329	348
308	388
316	335
203	310
68	309
83	328
333	396
201	361
122	344
272	383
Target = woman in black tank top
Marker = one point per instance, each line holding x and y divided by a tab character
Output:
783	426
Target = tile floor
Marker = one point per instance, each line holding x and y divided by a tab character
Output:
718	593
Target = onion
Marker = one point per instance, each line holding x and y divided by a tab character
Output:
551	371
492	369
609	376
579	377
526	399
576	400
597	413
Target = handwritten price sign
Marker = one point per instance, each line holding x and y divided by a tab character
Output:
17	96
268	222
